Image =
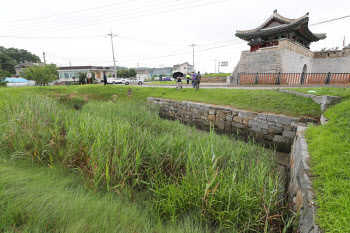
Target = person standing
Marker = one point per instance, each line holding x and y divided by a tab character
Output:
105	78
198	80
193	80
188	77
179	83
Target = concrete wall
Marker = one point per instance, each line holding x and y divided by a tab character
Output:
333	65
293	62
268	129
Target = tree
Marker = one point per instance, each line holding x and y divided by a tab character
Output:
42	75
132	73
4	74
19	55
126	73
6	63
3	82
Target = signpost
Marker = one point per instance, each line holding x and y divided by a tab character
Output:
89	75
223	63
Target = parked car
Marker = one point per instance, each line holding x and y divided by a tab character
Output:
167	79
132	81
116	81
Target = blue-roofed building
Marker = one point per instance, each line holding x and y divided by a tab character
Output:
19	82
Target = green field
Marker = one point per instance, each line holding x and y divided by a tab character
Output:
90	158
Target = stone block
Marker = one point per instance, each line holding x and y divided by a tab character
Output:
263	125
288	134
271	118
237	125
296	124
245	122
265	131
252	116
212	111
262	116
238	119
211	117
256	129
284	120
288	127
242	114
279	139
222	115
253	123
228	118
275	130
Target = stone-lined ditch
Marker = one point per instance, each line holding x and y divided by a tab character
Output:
286	134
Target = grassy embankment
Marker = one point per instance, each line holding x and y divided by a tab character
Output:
124	147
331	91
329	147
256	100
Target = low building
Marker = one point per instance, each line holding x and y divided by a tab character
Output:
22	66
68	72
143	75
185	68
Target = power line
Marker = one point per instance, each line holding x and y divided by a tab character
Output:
91	18
330	20
70	12
133	17
149	58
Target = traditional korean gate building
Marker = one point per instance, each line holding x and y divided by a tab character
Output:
283	45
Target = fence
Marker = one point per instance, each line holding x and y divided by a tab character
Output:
335	79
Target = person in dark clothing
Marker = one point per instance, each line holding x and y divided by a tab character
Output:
105	78
193	80
179	83
198	80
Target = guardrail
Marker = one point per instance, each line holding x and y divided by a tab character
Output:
333	79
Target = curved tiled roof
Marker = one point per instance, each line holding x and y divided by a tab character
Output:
286	25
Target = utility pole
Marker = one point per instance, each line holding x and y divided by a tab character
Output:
44	58
113	35
193	55
215	65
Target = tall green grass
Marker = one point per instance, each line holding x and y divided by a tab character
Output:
43	199
329	147
124	147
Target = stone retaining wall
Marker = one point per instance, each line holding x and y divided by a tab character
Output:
268	129
213	79
300	185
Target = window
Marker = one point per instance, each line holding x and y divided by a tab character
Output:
185	68
66	75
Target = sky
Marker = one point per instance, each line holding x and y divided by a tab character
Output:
155	33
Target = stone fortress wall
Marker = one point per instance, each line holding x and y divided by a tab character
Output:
290	57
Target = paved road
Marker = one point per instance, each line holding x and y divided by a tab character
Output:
228	86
